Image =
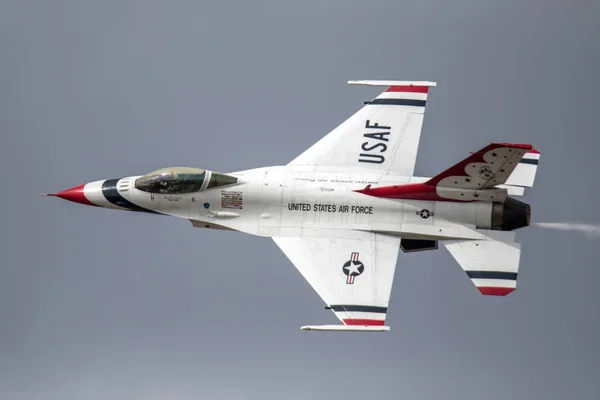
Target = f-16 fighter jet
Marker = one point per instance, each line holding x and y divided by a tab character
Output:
343	209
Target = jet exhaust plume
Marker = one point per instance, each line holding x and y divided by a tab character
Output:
589	230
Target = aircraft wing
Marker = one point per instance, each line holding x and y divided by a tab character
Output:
383	135
352	271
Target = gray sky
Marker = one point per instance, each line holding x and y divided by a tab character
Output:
99	304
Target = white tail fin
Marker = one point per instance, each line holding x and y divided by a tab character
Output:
524	174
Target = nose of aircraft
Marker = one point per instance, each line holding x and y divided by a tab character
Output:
74	194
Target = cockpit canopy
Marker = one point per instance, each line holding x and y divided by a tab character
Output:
181	180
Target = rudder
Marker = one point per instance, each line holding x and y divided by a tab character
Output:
524	174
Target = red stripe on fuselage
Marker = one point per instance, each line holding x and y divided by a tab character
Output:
459	168
427	190
369	322
408	89
411	191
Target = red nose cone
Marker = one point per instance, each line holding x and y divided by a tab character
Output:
75	194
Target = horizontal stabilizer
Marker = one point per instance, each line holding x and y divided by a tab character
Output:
491	264
345	328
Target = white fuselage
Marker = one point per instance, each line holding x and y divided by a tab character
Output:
293	201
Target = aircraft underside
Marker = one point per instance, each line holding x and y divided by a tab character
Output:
343	209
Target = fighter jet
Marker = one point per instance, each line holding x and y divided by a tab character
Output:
343	209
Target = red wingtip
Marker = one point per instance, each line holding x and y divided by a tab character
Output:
534	151
75	194
495	291
408	89
367	322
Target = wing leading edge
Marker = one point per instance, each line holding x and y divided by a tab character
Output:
352	272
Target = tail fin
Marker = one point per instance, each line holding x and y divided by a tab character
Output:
482	176
492	264
486	168
524	174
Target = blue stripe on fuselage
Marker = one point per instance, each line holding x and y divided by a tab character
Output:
110	192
